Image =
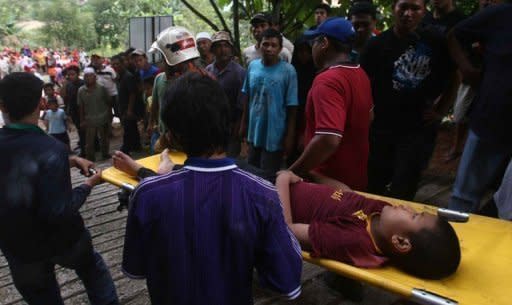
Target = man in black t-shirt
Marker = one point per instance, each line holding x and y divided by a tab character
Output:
407	66
131	106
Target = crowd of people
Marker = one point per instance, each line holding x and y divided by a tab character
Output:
277	139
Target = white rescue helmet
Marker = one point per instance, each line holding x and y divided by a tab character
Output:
177	44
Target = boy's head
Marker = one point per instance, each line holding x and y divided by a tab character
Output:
271	44
322	12
72	73
260	23
421	244
196	111
20	94
48	89
53	104
363	16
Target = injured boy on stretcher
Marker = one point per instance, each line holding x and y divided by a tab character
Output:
351	228
368	233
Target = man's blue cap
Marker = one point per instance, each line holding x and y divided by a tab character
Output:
337	28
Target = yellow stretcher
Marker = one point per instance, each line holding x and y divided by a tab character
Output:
484	276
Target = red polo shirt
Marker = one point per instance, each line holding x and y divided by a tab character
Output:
338	223
339	103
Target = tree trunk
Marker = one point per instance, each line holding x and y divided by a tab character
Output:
219	15
236	28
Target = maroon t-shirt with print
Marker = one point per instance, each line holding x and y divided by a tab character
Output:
337	223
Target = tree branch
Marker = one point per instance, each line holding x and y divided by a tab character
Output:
219	15
291	17
236	26
201	16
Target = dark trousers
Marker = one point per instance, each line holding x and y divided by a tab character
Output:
75	117
131	136
268	161
37	284
397	159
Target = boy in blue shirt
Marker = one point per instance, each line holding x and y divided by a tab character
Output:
195	234
270	113
56	121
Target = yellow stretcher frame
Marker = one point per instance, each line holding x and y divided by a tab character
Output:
484	276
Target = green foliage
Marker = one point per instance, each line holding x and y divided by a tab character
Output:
67	24
103	24
111	17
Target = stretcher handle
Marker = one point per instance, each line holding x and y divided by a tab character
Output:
425	297
452	215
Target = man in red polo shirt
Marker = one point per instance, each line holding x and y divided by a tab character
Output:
338	111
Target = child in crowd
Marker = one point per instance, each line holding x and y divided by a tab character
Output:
49	92
364	232
56	121
197	233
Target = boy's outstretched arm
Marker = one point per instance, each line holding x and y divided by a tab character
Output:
300	230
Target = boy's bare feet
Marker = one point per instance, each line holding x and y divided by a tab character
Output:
166	165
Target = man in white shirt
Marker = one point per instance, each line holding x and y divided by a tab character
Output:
106	77
259	23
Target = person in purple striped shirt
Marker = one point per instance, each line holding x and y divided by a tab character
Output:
195	234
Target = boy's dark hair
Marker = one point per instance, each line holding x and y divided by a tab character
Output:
324	6
272	33
48	85
52	100
196	111
20	93
435	253
363	8
73	68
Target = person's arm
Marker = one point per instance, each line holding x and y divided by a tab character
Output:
319	149
58	201
125	163
477	28
470	74
81	110
278	260
44	117
245	106
292	102
445	100
300	230
155	108
330	116
289	138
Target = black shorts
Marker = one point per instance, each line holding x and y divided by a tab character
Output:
63	137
